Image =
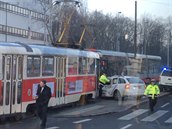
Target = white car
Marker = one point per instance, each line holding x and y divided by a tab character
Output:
123	86
165	80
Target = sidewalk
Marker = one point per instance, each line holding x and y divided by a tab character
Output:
102	106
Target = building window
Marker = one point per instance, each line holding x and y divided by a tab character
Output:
21	11
21	32
2	5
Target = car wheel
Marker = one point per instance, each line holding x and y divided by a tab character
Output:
117	96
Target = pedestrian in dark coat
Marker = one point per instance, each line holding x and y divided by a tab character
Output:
42	99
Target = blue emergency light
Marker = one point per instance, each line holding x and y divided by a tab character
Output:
164	68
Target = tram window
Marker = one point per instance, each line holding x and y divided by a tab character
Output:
1	93
91	66
48	66
14	91
8	66
152	66
83	68
33	66
72	66
14	67
19	90
113	65
20	68
7	93
3	67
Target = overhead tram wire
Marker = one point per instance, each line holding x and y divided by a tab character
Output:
155	2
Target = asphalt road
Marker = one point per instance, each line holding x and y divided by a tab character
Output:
135	118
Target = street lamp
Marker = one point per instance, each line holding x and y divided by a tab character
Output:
126	39
126	36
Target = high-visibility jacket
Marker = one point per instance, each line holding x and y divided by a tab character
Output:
103	79
152	90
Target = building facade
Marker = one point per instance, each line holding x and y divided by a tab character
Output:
23	21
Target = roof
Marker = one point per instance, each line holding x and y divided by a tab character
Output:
20	48
123	76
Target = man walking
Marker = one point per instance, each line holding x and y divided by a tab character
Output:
42	99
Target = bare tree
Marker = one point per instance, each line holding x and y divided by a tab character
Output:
107	28
70	24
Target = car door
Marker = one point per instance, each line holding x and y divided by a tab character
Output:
121	86
114	83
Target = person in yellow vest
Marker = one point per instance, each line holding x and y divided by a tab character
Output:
152	91
103	80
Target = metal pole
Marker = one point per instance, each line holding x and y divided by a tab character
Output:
118	33
135	31
168	49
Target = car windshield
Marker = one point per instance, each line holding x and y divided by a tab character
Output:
167	73
134	80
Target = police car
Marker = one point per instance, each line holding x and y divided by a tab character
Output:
124	86
165	80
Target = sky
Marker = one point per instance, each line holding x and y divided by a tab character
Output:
155	8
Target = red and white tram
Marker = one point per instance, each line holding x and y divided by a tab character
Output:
70	73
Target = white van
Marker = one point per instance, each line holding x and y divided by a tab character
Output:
165	81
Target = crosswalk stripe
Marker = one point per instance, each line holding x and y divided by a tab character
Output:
133	114
127	126
52	128
81	121
165	105
154	116
169	120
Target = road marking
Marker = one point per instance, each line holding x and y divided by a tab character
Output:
127	126
133	114
165	105
84	110
81	121
155	116
52	128
169	120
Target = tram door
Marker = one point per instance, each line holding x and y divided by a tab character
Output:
60	79
12	83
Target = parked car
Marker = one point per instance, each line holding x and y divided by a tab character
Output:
165	80
123	86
